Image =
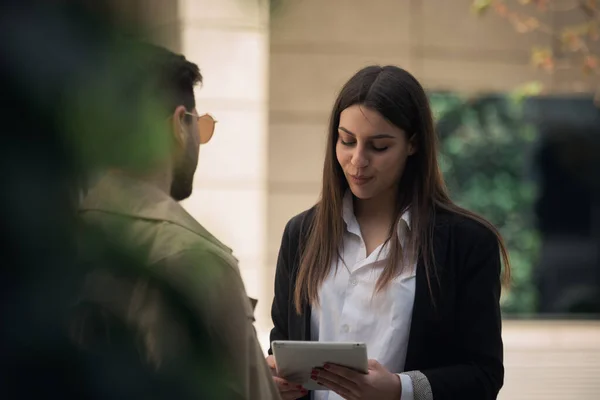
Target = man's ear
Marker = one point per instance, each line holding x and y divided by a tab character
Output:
412	144
177	128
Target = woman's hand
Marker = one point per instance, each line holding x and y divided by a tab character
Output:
377	384
287	390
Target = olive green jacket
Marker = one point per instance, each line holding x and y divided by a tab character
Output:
189	260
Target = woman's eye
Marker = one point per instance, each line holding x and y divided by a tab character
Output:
353	142
380	149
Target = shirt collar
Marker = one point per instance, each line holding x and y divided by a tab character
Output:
352	224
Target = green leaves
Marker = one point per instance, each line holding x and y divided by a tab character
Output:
528	89
112	122
483	146
479	7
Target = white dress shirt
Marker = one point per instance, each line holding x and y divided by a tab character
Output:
348	310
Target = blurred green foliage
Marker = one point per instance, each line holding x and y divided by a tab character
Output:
484	148
113	117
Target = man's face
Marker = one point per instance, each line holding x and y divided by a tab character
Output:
186	157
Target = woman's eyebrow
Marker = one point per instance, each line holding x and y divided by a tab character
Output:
378	136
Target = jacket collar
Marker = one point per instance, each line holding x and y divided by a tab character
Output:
117	193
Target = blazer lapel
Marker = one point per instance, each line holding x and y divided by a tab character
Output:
423	307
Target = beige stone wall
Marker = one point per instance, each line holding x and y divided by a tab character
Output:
228	39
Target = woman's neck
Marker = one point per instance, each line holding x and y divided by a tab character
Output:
380	208
375	217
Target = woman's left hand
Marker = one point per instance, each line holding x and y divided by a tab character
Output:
378	383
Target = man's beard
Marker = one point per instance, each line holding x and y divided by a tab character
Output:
183	175
182	185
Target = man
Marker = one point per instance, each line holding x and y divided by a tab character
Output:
182	285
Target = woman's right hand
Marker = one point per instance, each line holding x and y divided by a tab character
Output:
287	390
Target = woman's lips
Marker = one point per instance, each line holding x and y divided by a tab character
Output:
360	180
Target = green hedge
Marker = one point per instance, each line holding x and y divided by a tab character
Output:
484	146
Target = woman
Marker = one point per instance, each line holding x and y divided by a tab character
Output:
386	258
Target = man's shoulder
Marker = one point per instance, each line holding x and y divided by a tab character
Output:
173	239
175	243
200	251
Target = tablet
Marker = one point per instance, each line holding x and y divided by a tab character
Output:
295	360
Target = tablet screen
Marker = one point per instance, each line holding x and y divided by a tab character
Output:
295	360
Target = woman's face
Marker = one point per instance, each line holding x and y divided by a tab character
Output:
371	151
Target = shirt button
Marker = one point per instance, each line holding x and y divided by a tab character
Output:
345	328
354	282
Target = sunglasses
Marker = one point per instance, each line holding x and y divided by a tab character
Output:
206	126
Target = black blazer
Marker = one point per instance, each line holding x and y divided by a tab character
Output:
456	342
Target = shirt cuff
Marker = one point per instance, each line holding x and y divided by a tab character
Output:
421	388
407	387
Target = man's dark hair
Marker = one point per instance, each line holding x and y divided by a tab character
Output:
171	75
122	96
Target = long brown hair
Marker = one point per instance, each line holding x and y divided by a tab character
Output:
400	98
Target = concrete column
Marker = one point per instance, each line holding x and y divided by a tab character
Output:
228	39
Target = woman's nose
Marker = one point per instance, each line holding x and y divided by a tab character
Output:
359	159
